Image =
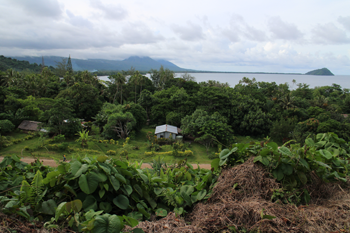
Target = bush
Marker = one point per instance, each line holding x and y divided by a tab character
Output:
111	152
6	126
281	130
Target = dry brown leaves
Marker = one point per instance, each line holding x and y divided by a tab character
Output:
240	195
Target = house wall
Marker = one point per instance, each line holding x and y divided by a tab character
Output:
166	135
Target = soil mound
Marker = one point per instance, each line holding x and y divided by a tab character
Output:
244	192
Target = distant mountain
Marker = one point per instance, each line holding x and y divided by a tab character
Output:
139	63
323	71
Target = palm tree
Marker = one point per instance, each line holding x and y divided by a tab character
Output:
135	79
120	80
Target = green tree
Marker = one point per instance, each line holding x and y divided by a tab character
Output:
69	65
119	123
60	118
200	123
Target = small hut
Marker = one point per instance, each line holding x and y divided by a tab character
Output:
164	131
29	125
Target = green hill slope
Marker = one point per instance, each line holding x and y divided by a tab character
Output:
323	71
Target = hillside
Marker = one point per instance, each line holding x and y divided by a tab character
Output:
323	71
9	63
139	63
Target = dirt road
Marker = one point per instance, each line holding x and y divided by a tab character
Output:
52	163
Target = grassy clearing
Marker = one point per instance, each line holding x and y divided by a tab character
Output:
95	147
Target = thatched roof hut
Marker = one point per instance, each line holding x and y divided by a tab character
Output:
29	125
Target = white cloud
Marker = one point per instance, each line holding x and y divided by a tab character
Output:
109	11
329	34
283	30
190	32
345	21
40	8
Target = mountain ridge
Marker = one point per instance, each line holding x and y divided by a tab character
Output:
139	63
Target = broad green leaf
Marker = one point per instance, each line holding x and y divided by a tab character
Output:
121	201
265	152
215	164
323	164
115	183
278	174
131	221
158	191
91	213
201	194
224	154
309	142
157	179
70	189
89	203
287	169
101	176
304	163
179	210
201	185
81	170
302	177
135	215
188	189
101	193
138	189
285	151
102	158
105	206
107	224
128	189
74	167
74	206
120	178
88	183
49	207
105	168
161	212
273	145
326	154
137	230
142	210
59	210
187	198
222	162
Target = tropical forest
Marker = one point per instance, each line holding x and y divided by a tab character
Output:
254	157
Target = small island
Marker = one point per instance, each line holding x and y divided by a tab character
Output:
323	71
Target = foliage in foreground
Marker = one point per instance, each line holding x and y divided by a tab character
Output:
99	194
293	165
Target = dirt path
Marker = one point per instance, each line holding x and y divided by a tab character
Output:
52	163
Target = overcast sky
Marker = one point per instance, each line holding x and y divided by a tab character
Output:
223	35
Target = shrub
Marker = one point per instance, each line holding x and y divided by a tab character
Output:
111	152
59	138
6	126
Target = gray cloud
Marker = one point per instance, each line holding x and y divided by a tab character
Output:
239	28
111	12
138	33
78	21
191	32
283	30
329	34
41	8
345	21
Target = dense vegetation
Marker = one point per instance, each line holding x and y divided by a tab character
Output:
210	113
7	63
323	71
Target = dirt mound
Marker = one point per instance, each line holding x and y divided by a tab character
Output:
244	192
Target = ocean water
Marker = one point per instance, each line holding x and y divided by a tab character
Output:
312	80
233	78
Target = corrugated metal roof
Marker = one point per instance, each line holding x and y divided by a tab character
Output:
166	128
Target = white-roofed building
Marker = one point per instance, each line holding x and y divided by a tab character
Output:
164	131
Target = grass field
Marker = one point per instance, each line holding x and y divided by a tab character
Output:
96	148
